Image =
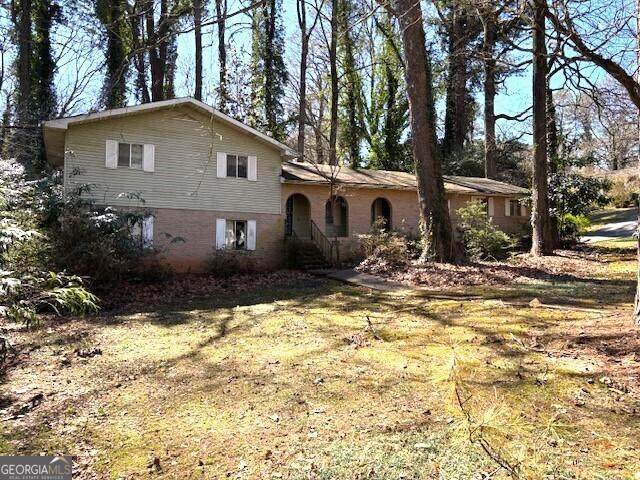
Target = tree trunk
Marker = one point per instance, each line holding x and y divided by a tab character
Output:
197	25
333	61
115	87
350	129
542	243
433	206
304	53
157	82
137	29
269	74
636	306
163	51
455	108
490	149
22	19
553	152
318	131
223	92
22	145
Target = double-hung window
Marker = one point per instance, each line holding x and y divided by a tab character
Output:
142	232
236	235
237	166
130	155
233	165
515	208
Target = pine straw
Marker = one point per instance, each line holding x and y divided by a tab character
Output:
565	265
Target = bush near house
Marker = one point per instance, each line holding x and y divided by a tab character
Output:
28	285
573	196
385	249
52	243
226	263
480	237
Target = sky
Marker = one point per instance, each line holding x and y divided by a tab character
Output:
77	65
513	98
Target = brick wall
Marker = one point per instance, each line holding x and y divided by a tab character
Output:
198	229
515	225
404	211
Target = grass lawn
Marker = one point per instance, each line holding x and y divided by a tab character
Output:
291	381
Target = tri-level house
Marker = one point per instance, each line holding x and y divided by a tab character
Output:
220	185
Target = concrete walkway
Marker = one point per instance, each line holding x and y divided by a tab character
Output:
367	280
380	284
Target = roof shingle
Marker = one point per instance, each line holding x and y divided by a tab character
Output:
303	172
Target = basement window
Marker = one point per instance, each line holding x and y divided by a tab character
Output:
236	235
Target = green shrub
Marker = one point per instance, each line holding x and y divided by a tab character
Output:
28	252
480	238
94	241
572	226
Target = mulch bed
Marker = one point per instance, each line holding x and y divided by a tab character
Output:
565	265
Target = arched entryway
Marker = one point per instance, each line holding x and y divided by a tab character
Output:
336	219
298	216
381	208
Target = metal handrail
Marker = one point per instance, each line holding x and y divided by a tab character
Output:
326	246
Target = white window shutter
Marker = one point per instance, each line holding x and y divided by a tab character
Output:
507	207
252	168
221	225
251	235
490	204
222	164
111	154
147	231
523	211
149	158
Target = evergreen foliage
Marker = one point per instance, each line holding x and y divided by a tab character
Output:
388	115
351	101
268	71
111	14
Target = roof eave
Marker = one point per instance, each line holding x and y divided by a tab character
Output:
286	153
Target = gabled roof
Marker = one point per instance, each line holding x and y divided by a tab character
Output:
303	172
54	129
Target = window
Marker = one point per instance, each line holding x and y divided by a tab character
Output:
484	202
130	155
381	213
515	208
336	218
142	232
236	235
237	166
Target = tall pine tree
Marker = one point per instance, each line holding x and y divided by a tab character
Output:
269	74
